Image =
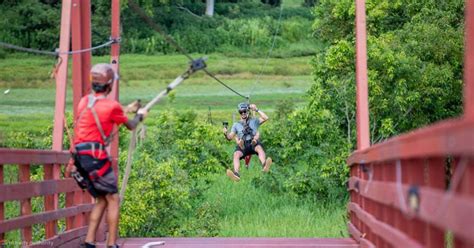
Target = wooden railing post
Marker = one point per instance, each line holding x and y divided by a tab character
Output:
25	205
362	94
50	202
435	178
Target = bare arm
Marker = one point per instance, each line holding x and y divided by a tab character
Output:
133	123
229	136
263	117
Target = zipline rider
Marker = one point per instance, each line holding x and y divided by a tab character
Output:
246	130
92	134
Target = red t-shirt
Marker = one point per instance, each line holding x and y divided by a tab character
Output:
109	112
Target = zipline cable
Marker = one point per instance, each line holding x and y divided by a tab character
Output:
172	42
269	52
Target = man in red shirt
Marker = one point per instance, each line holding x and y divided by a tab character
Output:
92	133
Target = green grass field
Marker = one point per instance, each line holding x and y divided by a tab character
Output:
30	103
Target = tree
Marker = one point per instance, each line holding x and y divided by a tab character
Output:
210	7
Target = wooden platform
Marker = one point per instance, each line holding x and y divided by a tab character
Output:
238	242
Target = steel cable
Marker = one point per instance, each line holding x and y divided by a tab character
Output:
56	53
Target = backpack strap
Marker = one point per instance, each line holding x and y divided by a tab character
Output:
90	106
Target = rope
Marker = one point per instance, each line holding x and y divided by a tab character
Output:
195	66
128	167
56	53
172	42
269	52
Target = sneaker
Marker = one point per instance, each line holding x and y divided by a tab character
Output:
267	165
234	176
87	245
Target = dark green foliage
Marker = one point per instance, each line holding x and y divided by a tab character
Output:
271	2
30	23
242	27
415	78
170	173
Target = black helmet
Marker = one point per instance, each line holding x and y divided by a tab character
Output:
243	107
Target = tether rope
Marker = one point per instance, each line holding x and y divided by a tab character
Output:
172	42
56	53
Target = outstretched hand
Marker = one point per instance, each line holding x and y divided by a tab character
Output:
133	107
253	107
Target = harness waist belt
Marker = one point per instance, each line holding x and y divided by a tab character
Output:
89	146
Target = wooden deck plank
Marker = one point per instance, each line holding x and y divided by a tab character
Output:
239	242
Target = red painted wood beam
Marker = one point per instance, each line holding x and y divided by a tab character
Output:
51	203
455	213
23	191
62	238
358	236
27	221
392	235
25	205
20	156
469	61
451	137
362	97
76	42
86	43
242	242
115	61
61	77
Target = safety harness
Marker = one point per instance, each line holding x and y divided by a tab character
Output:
92	149
248	131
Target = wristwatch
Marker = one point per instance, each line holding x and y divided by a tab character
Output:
256	110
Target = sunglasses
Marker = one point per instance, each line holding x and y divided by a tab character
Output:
243	112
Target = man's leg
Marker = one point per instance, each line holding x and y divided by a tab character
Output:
113	204
266	162
234	175
237	156
95	218
261	154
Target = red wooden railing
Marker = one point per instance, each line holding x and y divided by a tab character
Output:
77	204
415	190
399	191
75	33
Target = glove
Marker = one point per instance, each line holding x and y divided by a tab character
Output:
133	107
142	113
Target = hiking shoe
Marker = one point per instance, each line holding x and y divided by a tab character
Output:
234	176
267	165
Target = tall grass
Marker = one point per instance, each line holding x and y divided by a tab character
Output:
247	211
